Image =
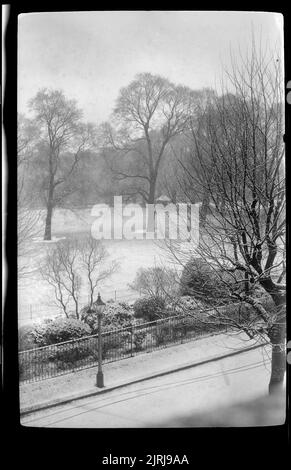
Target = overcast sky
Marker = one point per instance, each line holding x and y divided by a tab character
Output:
91	55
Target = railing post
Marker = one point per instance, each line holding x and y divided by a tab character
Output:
131	341
182	330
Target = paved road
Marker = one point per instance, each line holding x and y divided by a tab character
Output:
167	400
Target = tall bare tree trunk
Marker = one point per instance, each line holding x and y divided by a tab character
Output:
49	213
151	209
277	338
50	202
48	221
152	191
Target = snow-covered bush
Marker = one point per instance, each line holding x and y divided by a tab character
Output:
59	330
149	308
115	315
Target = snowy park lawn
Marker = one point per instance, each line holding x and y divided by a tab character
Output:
36	297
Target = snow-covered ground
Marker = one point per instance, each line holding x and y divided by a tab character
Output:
36	297
228	392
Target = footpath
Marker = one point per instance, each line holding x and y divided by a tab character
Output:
81	384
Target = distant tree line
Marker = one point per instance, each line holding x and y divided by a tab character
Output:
69	162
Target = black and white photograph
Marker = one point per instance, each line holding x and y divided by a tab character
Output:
151	222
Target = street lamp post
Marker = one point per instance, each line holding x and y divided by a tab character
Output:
99	306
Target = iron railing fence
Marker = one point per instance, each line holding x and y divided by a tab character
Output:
69	356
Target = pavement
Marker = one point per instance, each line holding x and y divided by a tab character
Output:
231	391
74	386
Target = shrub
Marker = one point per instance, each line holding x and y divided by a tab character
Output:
76	352
32	364
200	280
180	330
56	331
115	315
113	342
186	304
156	282
149	308
162	334
89	318
201	319
138	339
25	338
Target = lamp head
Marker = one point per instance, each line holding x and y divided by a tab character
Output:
99	304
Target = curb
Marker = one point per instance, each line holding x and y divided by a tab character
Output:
91	392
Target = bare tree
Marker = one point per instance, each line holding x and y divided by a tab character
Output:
94	262
74	266
239	161
64	138
28	217
61	270
149	113
156	282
